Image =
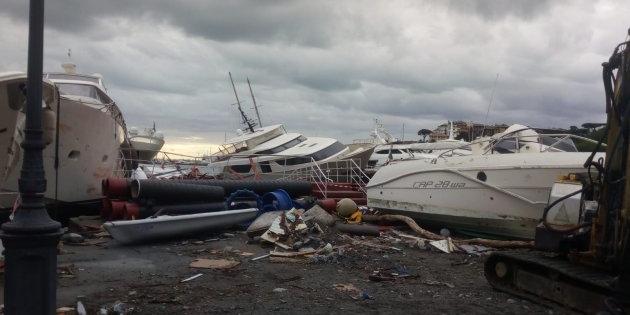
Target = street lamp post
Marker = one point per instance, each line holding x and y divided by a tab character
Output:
30	240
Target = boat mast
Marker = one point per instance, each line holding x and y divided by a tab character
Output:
246	120
255	105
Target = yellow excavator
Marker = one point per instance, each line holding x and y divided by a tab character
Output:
585	267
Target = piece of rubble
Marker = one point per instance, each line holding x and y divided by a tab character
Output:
318	215
66	310
445	245
433	282
192	278
214	263
279	290
72	238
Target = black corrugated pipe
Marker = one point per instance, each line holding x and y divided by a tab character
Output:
292	187
171	192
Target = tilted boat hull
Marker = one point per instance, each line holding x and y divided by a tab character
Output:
88	151
452	192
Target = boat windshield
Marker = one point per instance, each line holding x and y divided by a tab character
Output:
82	90
317	156
285	146
564	144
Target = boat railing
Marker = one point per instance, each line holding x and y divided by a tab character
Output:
164	163
492	142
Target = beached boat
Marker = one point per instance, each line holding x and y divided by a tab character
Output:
271	150
147	144
84	129
490	193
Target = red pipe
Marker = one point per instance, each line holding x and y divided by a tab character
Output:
117	188
106	209
118	210
132	210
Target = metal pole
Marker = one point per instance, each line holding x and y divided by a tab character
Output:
255	105
30	240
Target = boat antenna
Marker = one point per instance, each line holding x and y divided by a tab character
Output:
246	121
255	105
494	86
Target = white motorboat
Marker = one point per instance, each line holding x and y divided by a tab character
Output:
391	149
84	129
147	144
501	195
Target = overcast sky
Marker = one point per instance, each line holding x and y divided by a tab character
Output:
329	68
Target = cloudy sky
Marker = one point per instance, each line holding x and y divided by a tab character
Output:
328	68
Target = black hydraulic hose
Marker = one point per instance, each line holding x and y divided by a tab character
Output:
293	187
555	202
169	191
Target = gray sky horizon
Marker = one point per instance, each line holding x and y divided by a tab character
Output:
329	68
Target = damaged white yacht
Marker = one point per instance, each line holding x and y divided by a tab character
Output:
500	190
84	130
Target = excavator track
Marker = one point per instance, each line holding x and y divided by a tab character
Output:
544	279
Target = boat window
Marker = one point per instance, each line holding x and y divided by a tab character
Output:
241	168
82	90
285	146
566	145
317	156
61	76
505	146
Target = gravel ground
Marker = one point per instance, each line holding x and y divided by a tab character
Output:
147	279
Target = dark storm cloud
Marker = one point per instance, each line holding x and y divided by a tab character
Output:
328	68
499	9
302	23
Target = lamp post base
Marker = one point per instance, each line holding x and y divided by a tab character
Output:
29	259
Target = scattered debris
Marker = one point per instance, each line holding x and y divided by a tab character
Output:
286	229
474	249
260	257
262	223
192	278
432	282
318	215
117	307
279	290
72	238
214	263
445	246
66	310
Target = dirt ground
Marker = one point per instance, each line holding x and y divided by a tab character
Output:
147	279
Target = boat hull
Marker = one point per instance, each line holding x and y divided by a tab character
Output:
89	140
146	148
508	202
161	227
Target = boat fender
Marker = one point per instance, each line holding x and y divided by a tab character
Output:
49	125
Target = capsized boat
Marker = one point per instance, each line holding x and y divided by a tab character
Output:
271	150
84	130
500	192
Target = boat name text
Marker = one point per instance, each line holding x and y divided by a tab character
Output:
442	184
